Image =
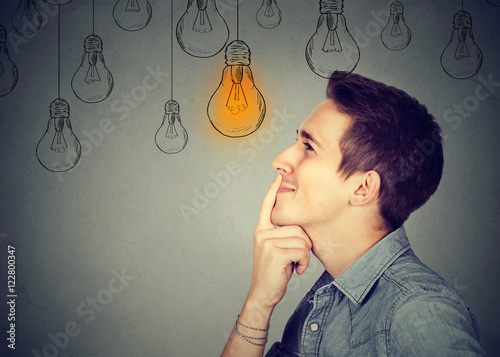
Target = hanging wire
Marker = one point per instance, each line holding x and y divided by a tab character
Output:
93	17
172	49
237	19
58	51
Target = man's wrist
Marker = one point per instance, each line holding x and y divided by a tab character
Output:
256	314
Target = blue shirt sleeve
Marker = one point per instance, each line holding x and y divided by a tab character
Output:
428	323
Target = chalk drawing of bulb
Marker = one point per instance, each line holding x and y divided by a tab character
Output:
59	149
462	58
27	19
132	15
201	31
8	70
332	47
269	14
237	107
92	81
396	35
171	137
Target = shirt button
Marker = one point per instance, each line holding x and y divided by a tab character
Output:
314	327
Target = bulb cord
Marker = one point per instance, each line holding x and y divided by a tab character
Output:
58	51
172	49
237	19
93	17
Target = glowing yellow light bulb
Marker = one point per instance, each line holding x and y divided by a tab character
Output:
237	107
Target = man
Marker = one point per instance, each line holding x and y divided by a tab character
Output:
364	160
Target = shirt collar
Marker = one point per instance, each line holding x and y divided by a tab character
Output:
356	281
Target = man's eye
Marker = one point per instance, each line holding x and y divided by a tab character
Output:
308	146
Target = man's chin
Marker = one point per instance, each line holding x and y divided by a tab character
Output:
280	219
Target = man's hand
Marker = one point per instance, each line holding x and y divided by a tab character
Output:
276	251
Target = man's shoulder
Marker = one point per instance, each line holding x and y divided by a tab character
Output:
408	274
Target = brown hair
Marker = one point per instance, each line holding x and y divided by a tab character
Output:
392	134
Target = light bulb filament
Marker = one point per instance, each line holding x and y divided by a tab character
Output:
462	51
171	132
236	101
132	5
396	28
332	42
202	22
59	143
235	104
27	16
92	73
269	10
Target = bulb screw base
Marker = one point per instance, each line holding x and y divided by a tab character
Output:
93	43
59	108
397	8
172	107
237	54
331	6
462	20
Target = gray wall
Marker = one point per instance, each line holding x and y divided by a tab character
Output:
119	210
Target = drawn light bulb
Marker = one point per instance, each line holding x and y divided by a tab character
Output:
132	15
462	58
269	14
332	47
92	81
171	137
27	19
57	2
59	149
8	70
396	35
201	31
237	107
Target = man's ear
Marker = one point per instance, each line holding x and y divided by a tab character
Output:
367	188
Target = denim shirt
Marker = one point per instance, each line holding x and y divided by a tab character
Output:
388	303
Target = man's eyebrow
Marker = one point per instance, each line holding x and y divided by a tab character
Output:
308	136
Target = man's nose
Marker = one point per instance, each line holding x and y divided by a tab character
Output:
283	163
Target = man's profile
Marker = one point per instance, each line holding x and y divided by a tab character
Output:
364	160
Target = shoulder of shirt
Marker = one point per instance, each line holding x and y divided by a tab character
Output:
406	282
416	284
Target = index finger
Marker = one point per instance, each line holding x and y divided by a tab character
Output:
268	203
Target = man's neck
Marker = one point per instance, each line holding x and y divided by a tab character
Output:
339	247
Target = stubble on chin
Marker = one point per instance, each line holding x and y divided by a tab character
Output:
279	218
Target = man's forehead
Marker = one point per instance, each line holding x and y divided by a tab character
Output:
325	123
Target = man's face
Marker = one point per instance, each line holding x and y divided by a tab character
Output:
312	192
